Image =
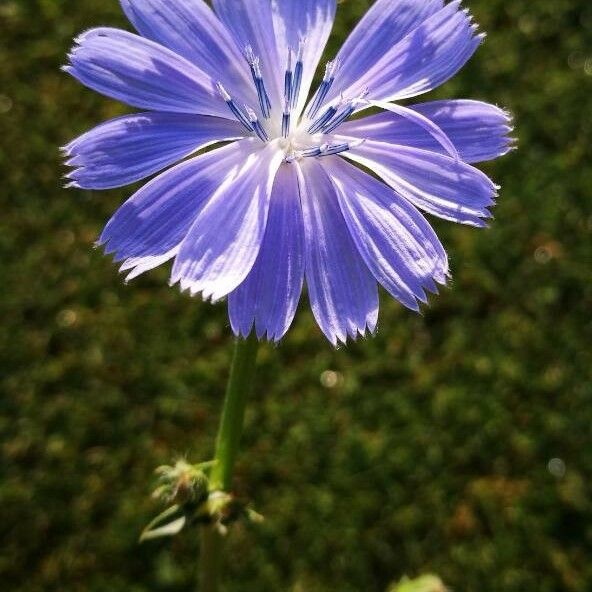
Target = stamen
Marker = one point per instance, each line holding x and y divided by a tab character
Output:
298	70
338	148
286	119
255	64
330	71
327	149
341	117
288	79
256	124
233	107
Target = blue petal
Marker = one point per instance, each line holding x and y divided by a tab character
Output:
343	293
385	24
251	23
269	297
142	73
133	147
308	20
438	184
478	130
191	29
395	240
420	121
154	222
222	245
427	57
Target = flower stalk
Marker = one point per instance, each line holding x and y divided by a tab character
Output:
240	384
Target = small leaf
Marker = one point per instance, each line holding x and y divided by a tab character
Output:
170	529
160	527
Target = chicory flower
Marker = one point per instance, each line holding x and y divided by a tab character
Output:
284	201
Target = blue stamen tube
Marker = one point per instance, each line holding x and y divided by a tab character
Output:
323	89
256	124
255	65
322	120
233	107
289	79
298	70
286	119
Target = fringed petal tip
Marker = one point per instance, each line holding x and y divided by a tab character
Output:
72	185
133	147
431	287
88	33
369	330
194	289
354	334
211	294
262	334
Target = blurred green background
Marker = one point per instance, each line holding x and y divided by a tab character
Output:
456	442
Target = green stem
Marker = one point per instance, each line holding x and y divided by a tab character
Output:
210	559
239	387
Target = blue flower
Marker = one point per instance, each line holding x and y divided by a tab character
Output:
283	201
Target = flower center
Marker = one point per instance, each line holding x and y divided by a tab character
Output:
300	137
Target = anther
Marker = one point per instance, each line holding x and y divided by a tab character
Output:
255	64
233	107
338	148
256	124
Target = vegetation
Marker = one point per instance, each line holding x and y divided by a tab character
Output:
456	442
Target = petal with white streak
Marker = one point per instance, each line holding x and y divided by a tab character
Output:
424	59
394	239
478	130
269	297
191	29
222	245
385	24
343	293
438	184
156	219
130	148
142	74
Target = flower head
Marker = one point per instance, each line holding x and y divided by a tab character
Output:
283	201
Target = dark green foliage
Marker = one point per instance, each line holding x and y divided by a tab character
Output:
425	449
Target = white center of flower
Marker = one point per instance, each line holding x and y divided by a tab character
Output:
310	135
